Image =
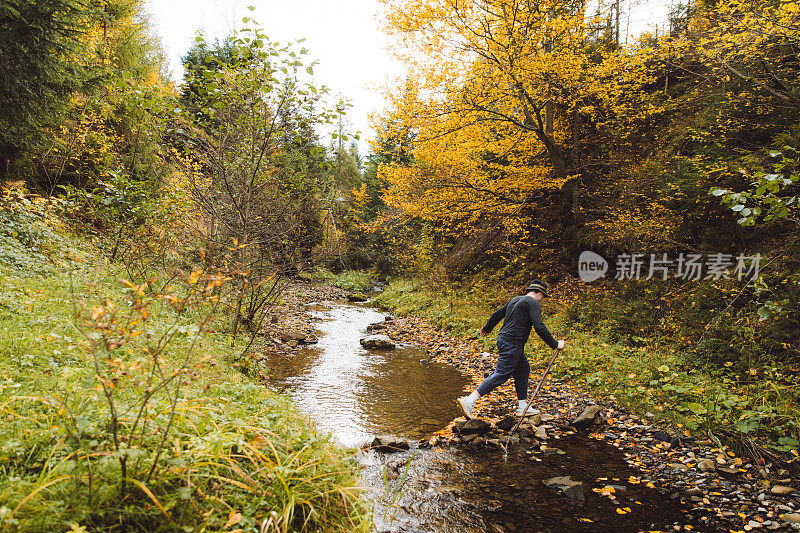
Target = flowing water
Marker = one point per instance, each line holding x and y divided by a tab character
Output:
357	394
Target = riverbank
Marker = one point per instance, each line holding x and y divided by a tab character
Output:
122	412
719	488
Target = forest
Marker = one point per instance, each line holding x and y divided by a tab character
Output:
149	227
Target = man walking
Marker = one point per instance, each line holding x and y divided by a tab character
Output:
521	314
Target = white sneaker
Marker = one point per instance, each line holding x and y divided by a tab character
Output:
530	412
466	406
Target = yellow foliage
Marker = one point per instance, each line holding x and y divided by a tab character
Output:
496	99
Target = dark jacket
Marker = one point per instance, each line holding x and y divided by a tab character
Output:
521	314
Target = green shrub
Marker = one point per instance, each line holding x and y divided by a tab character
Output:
353	280
318	274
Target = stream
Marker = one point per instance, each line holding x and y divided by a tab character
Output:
356	394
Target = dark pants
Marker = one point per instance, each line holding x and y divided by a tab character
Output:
511	362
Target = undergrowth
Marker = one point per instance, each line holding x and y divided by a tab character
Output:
121	412
351	280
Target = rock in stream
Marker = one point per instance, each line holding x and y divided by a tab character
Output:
378	342
565	485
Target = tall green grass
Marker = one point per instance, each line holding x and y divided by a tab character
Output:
225	453
350	280
353	280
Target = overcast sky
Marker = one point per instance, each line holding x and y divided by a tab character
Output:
343	35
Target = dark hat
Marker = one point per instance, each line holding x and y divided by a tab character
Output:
539	286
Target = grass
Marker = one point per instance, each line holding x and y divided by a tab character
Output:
351	280
654	377
187	444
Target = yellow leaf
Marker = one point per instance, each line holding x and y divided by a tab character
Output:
195	276
233	518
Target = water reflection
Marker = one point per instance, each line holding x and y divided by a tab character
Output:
357	393
473	489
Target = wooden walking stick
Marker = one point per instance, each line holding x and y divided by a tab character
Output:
535	392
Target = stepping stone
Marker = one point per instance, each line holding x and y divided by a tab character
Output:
565	485
379	342
506	424
587	417
473	426
389	444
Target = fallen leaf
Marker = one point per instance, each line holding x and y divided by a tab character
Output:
233	518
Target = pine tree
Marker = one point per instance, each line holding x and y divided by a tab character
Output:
40	50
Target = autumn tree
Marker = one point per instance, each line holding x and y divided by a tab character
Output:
376	233
502	97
